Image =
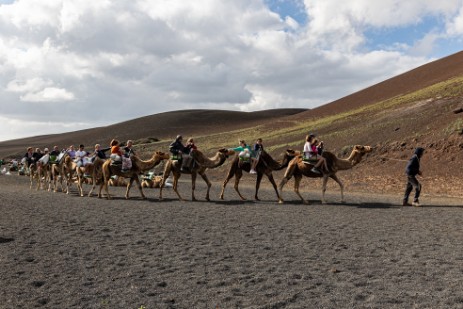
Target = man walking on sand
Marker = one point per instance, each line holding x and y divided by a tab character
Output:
413	169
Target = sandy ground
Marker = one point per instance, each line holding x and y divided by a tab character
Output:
65	251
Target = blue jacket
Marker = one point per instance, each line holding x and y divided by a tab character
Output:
413	166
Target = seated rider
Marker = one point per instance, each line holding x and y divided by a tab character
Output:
187	157
245	155
258	148
100	152
177	148
82	159
311	154
28	158
129	149
116	156
55	155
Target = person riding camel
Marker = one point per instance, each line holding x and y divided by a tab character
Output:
187	156
116	156
311	154
245	154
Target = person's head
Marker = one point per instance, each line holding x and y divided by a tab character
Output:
310	137
242	142
190	141
419	152
81	147
38	150
114	142
179	138
46	150
55	148
259	141
29	149
71	147
97	146
129	143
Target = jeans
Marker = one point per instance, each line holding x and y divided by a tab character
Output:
412	182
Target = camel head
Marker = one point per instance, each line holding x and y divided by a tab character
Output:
162	155
226	152
292	152
358	152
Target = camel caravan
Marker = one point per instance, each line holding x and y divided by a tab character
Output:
58	170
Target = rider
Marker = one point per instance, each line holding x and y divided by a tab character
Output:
245	153
311	154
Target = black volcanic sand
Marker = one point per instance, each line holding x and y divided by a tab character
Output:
64	251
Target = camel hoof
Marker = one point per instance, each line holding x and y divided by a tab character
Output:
281	202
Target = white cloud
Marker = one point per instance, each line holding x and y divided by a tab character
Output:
49	94
158	55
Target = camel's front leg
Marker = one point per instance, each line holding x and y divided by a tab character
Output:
166	174
258	181
297	182
237	182
224	185
341	185
282	184
208	183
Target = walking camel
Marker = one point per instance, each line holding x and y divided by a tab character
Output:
265	166
201	164
298	168
138	167
58	174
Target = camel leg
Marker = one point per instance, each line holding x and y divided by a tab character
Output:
176	177
297	181
129	185
231	173
208	183
341	185
258	181
166	174
272	181
193	186
137	180
237	182
288	174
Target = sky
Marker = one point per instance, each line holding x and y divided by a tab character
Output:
68	65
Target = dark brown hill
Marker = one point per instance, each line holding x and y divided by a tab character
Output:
160	126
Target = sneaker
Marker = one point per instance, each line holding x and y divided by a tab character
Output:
315	170
252	172
416	204
406	204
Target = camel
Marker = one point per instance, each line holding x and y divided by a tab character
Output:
151	181
201	164
298	168
57	174
117	181
138	167
33	174
265	166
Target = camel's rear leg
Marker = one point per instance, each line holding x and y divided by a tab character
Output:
297	181
208	183
258	181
